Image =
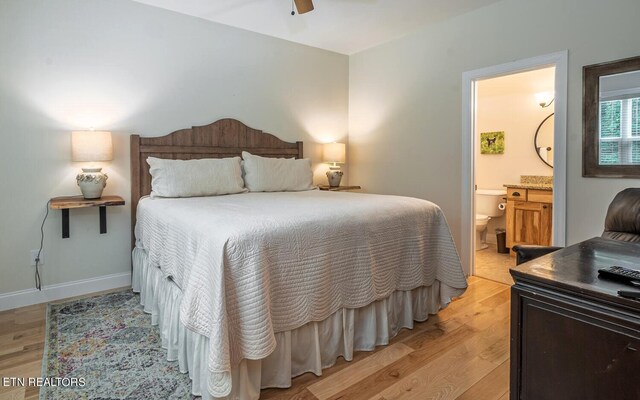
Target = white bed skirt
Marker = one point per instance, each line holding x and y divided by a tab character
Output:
310	348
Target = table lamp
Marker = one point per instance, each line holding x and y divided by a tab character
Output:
334	153
91	146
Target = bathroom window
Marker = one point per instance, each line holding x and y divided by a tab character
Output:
619	132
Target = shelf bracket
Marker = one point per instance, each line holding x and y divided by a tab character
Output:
65	221
103	219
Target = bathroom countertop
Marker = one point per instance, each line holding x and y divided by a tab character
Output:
538	186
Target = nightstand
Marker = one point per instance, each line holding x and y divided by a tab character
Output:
338	188
67	202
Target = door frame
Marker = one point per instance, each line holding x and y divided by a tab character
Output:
559	60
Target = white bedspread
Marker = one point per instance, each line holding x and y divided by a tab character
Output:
253	264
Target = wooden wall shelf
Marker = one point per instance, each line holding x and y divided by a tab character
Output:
338	188
65	203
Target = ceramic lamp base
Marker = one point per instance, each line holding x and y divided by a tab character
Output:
92	181
334	178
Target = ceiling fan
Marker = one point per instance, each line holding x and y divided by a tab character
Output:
303	6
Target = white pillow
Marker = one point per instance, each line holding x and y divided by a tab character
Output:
190	178
263	174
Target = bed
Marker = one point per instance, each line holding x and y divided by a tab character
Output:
252	289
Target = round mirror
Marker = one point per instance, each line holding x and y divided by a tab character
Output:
543	140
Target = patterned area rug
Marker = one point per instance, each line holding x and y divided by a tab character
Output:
107	342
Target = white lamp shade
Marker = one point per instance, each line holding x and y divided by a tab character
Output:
91	146
334	152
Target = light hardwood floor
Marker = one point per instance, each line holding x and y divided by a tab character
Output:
495	266
461	353
21	346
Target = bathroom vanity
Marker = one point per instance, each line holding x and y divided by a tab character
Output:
529	214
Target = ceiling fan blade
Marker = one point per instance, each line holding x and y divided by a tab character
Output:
304	6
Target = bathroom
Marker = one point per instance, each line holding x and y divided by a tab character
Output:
513	168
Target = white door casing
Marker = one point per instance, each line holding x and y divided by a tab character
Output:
469	95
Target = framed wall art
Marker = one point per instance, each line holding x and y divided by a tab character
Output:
492	142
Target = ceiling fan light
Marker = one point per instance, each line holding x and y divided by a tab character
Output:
304	6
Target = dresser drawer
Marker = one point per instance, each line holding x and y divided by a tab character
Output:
516	194
540	196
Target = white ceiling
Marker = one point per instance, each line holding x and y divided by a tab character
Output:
343	26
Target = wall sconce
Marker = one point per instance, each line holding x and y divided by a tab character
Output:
334	153
545	99
91	146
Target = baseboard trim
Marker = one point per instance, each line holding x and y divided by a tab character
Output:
28	297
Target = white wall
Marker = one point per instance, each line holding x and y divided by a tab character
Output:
129	68
405	98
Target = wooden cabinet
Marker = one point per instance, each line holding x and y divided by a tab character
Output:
529	216
572	336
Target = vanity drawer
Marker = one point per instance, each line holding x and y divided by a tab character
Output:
540	196
516	194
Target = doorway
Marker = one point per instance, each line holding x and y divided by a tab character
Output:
471	145
514	150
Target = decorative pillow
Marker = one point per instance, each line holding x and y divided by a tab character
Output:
263	174
191	178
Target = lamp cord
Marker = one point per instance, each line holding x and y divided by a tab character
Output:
37	276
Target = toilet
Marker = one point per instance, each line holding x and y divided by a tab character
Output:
487	206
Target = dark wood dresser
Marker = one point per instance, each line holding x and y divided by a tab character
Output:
572	336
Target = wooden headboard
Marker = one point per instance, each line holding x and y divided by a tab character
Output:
223	138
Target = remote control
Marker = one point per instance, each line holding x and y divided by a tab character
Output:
623	274
631	294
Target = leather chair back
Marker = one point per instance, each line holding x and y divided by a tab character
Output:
623	217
